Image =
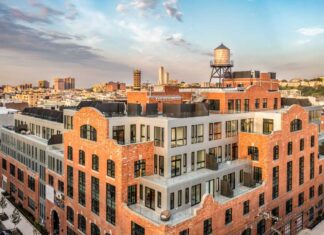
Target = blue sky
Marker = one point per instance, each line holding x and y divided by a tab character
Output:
104	40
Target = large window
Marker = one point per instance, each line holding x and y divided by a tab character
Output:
31	183
178	136
267	126
195	194
95	195
88	132
208	228
150	198
246	207
82	223
176	165
111	204
228	216
289	175
247	231
95	162
82	188
201	158
276	152
137	229
159	136
215	131
69	176
131	194
119	134
246	105
295	125
197	133
12	170
231	128
70	214
70	153
254	153
301	170
111	168
261	227
139	168
95	229
214	105
289	206
247	125
275	182
312	166
81	157
133	133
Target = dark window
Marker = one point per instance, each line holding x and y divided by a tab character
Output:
290	148
69	176
195	194
184	232
171	201
20	194
133	133
132	194
247	231
301	144
276	152
70	153
257	174
60	186
178	136
111	204
137	229
82	188
155	163
261	199
246	105
312	141
261	227
295	125
312	166
12	170
264	103
31	183
208	228
228	216
237	106
311	192
51	180
301	199
275	105
257	103
159	136
119	134
275	182
179	198
81	157
95	229
139	168
187	196
320	189
20	175
176	165
246	207
289	206
82	223
230	106
95	195
4	164
311	214
301	170
150	198
159	199
289	175
267	126
141	192
88	132
161	165
214	105
254	153
95	162
70	214
111	168
274	213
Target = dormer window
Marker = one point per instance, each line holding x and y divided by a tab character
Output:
295	125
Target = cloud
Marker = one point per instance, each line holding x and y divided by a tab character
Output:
144	4
121	8
172	9
72	11
46	11
311	31
177	39
303	41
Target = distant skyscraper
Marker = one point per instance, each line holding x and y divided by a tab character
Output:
137	79
163	76
61	84
43	84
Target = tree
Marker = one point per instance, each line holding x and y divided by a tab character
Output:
15	217
3	203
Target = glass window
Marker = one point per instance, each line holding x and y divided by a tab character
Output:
132	194
228	216
197	133
276	152
95	195
139	168
111	168
208	228
88	132
110	204
215	131
158	136
195	194
82	188
295	125
176	165
82	223
231	128
178	136
95	162
267	126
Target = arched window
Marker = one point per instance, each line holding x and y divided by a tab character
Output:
261	227
88	132
320	189
94	229
70	214
247	231
95	162
81	223
111	168
275	152
295	125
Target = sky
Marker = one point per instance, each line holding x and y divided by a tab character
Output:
99	41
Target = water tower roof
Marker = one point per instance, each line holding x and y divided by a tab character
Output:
222	46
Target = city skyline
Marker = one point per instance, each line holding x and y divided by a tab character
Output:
105	40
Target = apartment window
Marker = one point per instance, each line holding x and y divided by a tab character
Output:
184	164
312	141
184	232
231	128
81	157
132	194
82	188
275	213
12	170
261	199
195	194
70	214
311	192
257	174
264	103
228	216
179	198
20	175
51	180
187	195
70	153
246	207
155	163
247	125
95	229
289	206
276	152
210	187
261	227
111	168
20	194
137	229
95	195
216	152
215	131
60	186
275	105
139	168
148	133
150	198
301	170
208	229
95	162
254	153
311	214
197	133
119	134
247	231
295	125
230	106
267	126
31	204
275	182
290	148
237	106
176	165
68	122
320	189
4	164
88	132
214	105
111	204
192	161
301	144
133	133
69	176
289	175
159	199
257	103
201	155
161	165
246	105
31	183
312	166
82	223
171	201
159	136
301	199
178	136
142	133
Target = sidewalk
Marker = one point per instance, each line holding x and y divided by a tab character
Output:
24	225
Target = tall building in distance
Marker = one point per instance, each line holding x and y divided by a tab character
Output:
137	76
163	76
61	84
43	84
